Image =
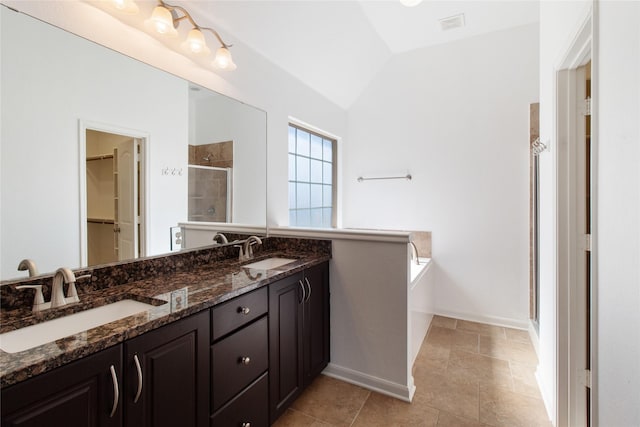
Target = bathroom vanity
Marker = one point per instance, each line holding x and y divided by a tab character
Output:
228	345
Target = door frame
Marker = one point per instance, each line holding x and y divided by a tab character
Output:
83	126
570	296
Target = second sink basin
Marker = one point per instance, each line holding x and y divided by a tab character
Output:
52	330
269	263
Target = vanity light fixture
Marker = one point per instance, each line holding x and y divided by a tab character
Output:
165	20
162	21
126	6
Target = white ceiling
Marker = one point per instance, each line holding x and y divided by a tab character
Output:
337	47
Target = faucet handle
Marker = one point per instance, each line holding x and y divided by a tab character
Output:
72	292
241	255
38	299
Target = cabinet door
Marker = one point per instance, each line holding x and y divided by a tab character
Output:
171	386
80	394
285	343
316	321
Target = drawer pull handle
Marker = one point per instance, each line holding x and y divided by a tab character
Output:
309	286
139	371
245	360
246	424
116	391
304	291
244	310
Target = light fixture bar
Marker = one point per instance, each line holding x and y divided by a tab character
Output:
165	20
187	15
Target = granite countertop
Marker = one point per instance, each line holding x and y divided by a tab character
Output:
198	289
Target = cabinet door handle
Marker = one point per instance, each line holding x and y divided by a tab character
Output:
244	310
304	292
245	360
116	391
309	285
139	371
246	424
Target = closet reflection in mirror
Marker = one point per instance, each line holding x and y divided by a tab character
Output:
114	219
66	85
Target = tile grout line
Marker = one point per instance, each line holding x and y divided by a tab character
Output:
360	410
309	415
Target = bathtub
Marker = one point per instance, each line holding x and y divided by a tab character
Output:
419	269
420	304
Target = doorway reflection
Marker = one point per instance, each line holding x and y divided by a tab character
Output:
113	197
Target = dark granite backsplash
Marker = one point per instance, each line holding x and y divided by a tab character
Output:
107	276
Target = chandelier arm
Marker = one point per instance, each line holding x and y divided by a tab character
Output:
215	33
186	15
193	22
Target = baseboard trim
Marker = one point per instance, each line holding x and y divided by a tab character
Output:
533	336
545	399
490	320
372	383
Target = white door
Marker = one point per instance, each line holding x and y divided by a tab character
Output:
126	198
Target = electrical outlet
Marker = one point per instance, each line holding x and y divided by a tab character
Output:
176	239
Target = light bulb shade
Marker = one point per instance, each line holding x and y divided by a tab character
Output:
223	60
125	6
410	3
195	43
161	21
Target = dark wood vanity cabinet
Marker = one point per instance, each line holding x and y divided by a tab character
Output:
80	394
298	334
167	375
170	388
240	361
316	322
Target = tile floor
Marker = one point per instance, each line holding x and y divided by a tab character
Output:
467	374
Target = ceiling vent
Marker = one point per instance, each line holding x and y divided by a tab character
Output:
451	22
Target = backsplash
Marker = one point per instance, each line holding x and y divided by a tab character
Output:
122	273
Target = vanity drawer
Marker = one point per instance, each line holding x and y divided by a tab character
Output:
237	360
251	407
239	311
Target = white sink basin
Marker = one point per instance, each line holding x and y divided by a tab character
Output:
269	263
46	332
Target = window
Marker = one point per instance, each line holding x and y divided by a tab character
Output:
311	178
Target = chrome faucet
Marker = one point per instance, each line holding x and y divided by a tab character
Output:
28	264
414	253
246	250
220	238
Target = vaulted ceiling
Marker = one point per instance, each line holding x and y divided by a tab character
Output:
337	46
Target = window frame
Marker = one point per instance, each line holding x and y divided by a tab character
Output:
334	170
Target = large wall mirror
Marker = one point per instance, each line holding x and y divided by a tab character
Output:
93	141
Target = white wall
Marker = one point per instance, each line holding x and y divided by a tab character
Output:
456	117
618	213
369	310
43	67
219	119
